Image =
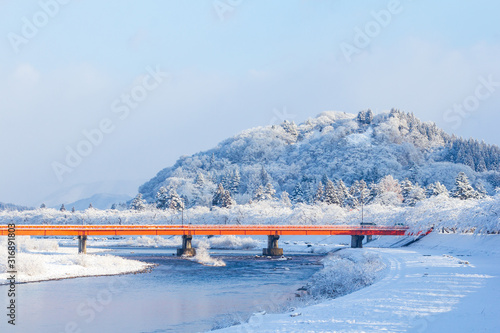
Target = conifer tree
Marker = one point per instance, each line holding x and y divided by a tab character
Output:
175	202
463	190
285	199
138	203
297	194
162	198
330	195
320	194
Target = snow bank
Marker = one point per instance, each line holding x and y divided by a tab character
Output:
345	272
40	260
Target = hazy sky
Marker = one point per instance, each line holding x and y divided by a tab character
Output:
160	79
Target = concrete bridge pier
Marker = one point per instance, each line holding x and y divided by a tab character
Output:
187	248
272	246
82	244
357	241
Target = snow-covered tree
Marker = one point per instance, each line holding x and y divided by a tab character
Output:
320	194
365	117
290	128
342	192
285	199
388	192
297	194
199	181
417	194
42	206
175	202
463	189
481	191
73	209
259	194
222	198
62	209
162	198
269	191
264	193
436	189
406	189
138	203
330	196
358	194
264	177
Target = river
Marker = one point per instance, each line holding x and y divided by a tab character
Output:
178	295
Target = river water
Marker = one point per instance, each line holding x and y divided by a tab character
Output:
176	296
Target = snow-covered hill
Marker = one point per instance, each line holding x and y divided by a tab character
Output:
336	146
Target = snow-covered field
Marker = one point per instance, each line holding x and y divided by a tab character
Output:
41	259
443	283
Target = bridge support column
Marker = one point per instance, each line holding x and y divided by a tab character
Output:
357	241
187	248
82	244
272	246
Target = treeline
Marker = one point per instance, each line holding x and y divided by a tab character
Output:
388	191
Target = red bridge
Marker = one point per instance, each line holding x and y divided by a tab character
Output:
188	231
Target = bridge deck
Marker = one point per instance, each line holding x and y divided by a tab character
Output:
136	230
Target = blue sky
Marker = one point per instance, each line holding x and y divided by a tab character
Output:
248	65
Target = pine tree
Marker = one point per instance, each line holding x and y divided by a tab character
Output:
259	194
90	206
162	198
463	190
406	188
43	206
235	182
330	196
285	199
290	128
264	177
113	206
320	193
227	201
217	198
199	181
222	198
138	203
436	189
73	209
297	194
342	192
175	202
269	191
62	209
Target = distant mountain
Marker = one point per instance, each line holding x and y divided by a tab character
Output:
336	146
98	201
78	192
8	206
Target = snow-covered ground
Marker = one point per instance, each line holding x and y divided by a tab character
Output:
443	283
41	259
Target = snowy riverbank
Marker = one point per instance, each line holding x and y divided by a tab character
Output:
441	283
41	259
